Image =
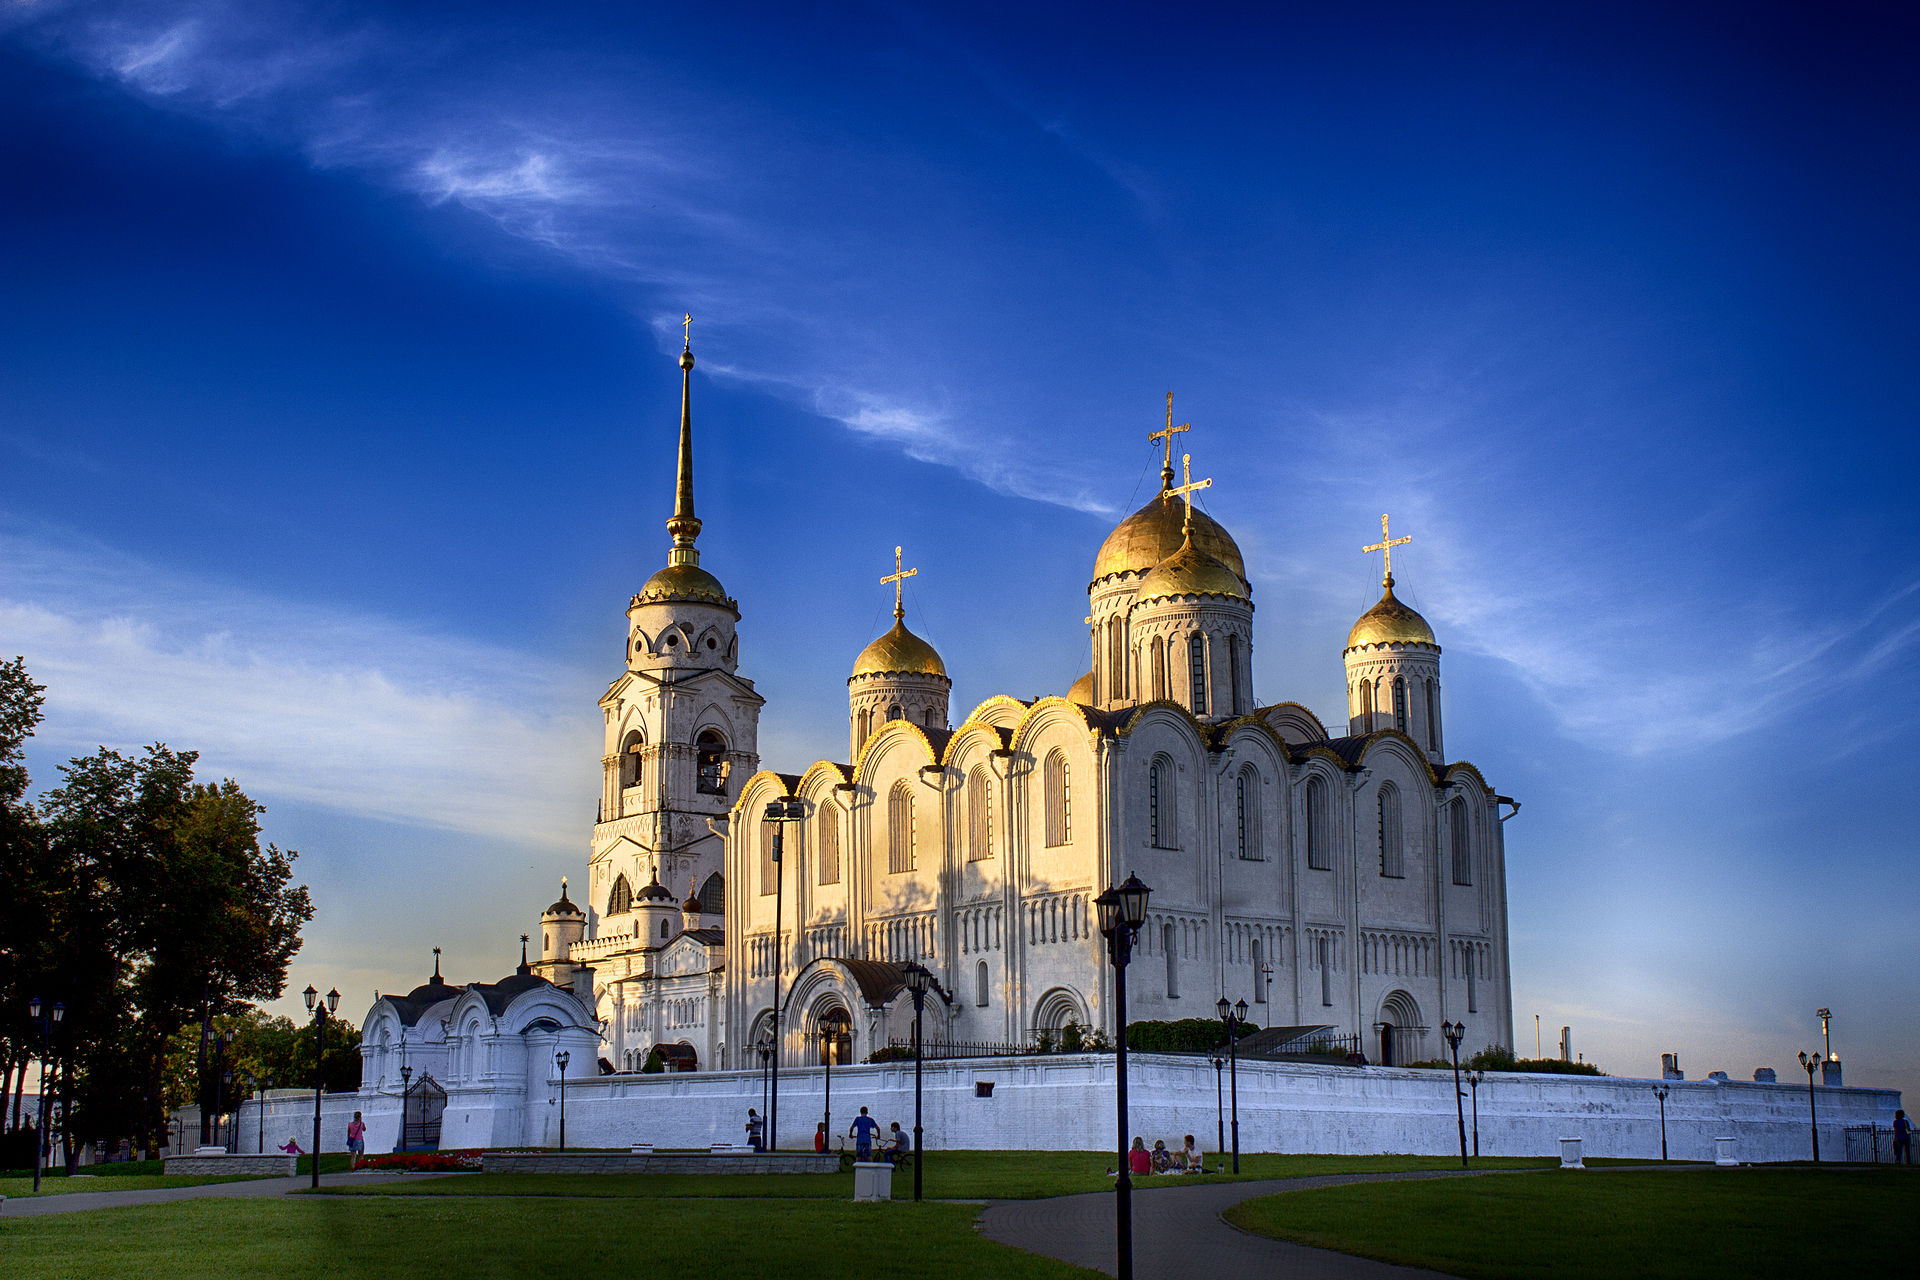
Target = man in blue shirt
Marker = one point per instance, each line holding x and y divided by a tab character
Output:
864	1127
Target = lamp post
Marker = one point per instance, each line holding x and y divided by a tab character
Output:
1234	1016
320	1013
779	813
918	982
1826	1037
222	1077
764	1048
1473	1083
1812	1064
406	1102
829	1046
1661	1091
1453	1031
560	1060
1123	909
1219	1105
260	1088
41	1148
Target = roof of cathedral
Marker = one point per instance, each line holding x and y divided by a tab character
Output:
1156	531
899	652
881	980
709	936
1390	622
1082	690
499	995
684	584
564	907
1191	571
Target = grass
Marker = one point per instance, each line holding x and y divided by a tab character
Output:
23	1187
949	1175
1699	1225
317	1238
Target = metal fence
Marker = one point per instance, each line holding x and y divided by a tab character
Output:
1869	1144
940	1050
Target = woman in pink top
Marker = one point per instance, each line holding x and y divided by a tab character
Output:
1138	1161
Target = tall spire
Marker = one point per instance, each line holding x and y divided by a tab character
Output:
685	526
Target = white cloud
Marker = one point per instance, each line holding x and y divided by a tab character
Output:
360	715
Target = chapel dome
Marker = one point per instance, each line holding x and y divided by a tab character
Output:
899	652
654	892
1082	690
1191	571
1155	532
1390	622
682	584
564	907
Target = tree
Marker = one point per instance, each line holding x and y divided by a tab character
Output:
24	941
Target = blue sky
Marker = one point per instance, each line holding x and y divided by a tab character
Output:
337	392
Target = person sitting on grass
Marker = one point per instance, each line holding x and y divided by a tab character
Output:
1162	1159
1138	1161
898	1146
1190	1158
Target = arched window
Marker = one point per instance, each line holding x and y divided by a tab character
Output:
1170	942
1246	813
827	842
894	713
1366	706
1116	660
1162	829
663	928
981	984
1392	850
1233	675
900	828
1058	804
710	759
1260	977
1400	703
933	717
713	896
621	899
769	868
865	722
1462	851
1319	825
979	815
1197	664
1433	715
630	749
1159	664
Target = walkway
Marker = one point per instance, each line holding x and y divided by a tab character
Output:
78	1201
1178	1232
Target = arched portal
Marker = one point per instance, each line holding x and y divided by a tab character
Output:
1401	1030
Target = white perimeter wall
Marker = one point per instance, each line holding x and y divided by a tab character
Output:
1066	1102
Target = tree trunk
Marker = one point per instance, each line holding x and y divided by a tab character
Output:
8	1097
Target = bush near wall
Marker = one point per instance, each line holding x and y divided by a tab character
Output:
1186	1035
425	1161
1494	1058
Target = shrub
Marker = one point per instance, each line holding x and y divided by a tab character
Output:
1187	1035
426	1161
1496	1058
891	1053
654	1065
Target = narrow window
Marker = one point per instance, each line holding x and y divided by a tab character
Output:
1170	943
1433	715
663	928
621	899
1159	668
893	713
1246	805
1462	854
979	816
1055	798
1116	661
1197	661
769	866
630	752
1161	830
1400	704
933	717
828	843
1318	855
1259	976
1233	675
980	984
1366	706
1473	989
1392	861
710	760
900	828
1326	971
713	896
866	723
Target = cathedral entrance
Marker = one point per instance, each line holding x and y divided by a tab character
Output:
834	1037
1399	1029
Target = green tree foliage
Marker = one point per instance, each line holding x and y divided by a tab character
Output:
26	951
265	1047
1187	1035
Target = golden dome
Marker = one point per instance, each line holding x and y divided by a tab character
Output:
1082	691
1191	571
899	652
684	583
1155	531
1390	622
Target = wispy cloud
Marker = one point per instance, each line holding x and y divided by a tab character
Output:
356	714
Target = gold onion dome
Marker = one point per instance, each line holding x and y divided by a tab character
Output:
1082	690
899	652
1191	571
1155	532
1390	622
683	583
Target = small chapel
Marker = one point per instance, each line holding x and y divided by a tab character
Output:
1350	881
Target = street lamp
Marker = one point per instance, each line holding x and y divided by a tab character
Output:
1473	1083
1812	1064
918	982
406	1102
42	1148
1235	1017
1219	1105
1453	1031
1661	1091
320	1013
779	813
1123	909
830	1026
1826	1038
764	1047
561	1059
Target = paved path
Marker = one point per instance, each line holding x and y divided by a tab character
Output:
1178	1232
78	1201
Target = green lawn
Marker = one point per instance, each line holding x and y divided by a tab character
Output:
23	1187
949	1175
1703	1224
318	1238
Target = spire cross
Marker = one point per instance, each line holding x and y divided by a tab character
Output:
687	324
1157	437
1386	544
897	577
1186	490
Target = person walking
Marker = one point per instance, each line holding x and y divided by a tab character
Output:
356	1140
756	1130
1902	1138
864	1127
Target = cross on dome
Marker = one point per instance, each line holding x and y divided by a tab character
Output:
1167	435
897	577
1186	490
687	324
1386	544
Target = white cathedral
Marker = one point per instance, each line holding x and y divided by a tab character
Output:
1354	880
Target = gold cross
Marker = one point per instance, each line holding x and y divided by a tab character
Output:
687	324
1386	544
1186	490
897	577
1167	436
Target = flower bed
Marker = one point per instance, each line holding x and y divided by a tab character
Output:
426	1162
